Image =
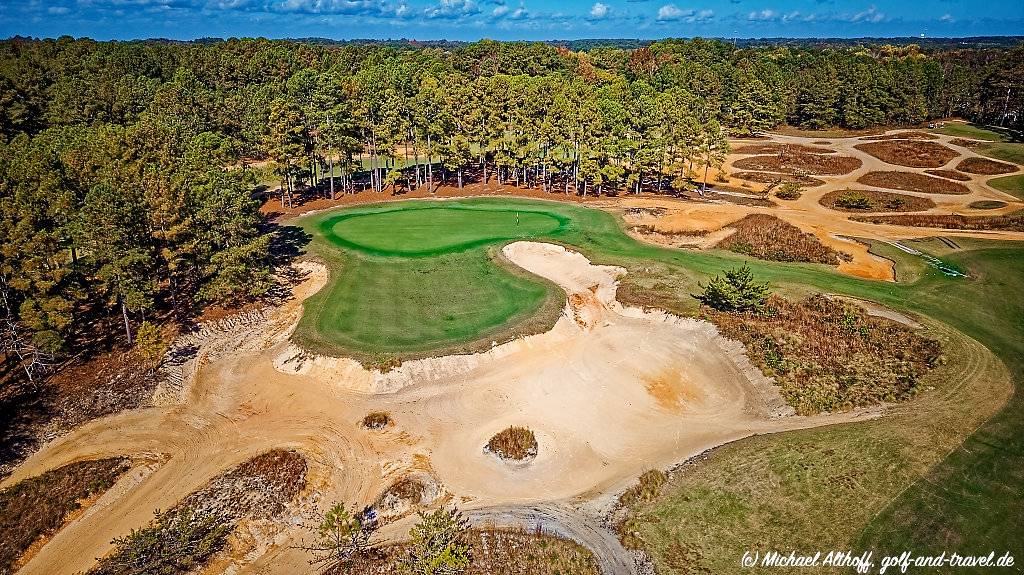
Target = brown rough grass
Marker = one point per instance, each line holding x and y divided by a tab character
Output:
1010	222
493	552
769	238
37	507
776	148
829	355
879	201
949	174
910	153
768	178
912	182
376	420
648	487
513	443
800	163
903	136
985	166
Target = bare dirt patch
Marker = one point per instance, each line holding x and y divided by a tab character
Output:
949	175
776	148
770	238
985	166
909	153
1010	222
769	178
37	507
912	182
874	201
800	163
827	354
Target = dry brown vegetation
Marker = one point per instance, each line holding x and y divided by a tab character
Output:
647	487
800	163
189	534
963	142
376	420
37	507
776	148
985	166
949	174
513	443
770	238
874	201
903	136
912	182
986	205
493	552
1010	222
909	153
768	178
827	354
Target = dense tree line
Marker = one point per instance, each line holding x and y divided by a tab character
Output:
123	182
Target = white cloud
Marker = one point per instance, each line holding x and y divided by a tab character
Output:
762	15
870	15
599	10
452	9
670	12
946	18
500	11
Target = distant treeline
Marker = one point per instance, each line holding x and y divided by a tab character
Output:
116	197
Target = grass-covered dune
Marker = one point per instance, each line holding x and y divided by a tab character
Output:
901	482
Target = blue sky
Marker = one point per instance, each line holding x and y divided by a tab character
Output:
506	19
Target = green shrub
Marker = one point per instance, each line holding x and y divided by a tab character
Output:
854	201
789	191
736	292
174	542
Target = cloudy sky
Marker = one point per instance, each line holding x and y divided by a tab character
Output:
506	19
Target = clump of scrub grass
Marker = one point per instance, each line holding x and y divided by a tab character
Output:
376	420
513	443
646	489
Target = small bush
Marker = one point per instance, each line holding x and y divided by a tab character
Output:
376	420
515	443
438	544
853	201
789	191
736	292
175	542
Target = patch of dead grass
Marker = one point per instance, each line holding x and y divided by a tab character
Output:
769	178
949	175
769	238
985	166
1010	222
776	148
513	443
912	154
800	163
912	182
37	507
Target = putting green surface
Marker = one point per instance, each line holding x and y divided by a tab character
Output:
422	278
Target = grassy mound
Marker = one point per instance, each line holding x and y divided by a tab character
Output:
1010	222
514	444
912	182
800	163
873	201
37	507
985	166
986	205
828	355
909	153
770	238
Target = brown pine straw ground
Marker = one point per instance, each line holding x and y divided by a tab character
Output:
909	153
878	201
912	182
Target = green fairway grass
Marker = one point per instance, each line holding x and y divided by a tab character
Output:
970	131
882	484
1013	185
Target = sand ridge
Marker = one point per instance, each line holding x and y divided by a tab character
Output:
610	391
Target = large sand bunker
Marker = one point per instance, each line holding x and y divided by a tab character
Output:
610	391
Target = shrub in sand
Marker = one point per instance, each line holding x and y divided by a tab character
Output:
853	201
376	420
789	191
513	443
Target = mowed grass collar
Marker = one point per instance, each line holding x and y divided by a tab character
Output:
434	229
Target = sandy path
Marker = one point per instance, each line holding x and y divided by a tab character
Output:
609	391
831	227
